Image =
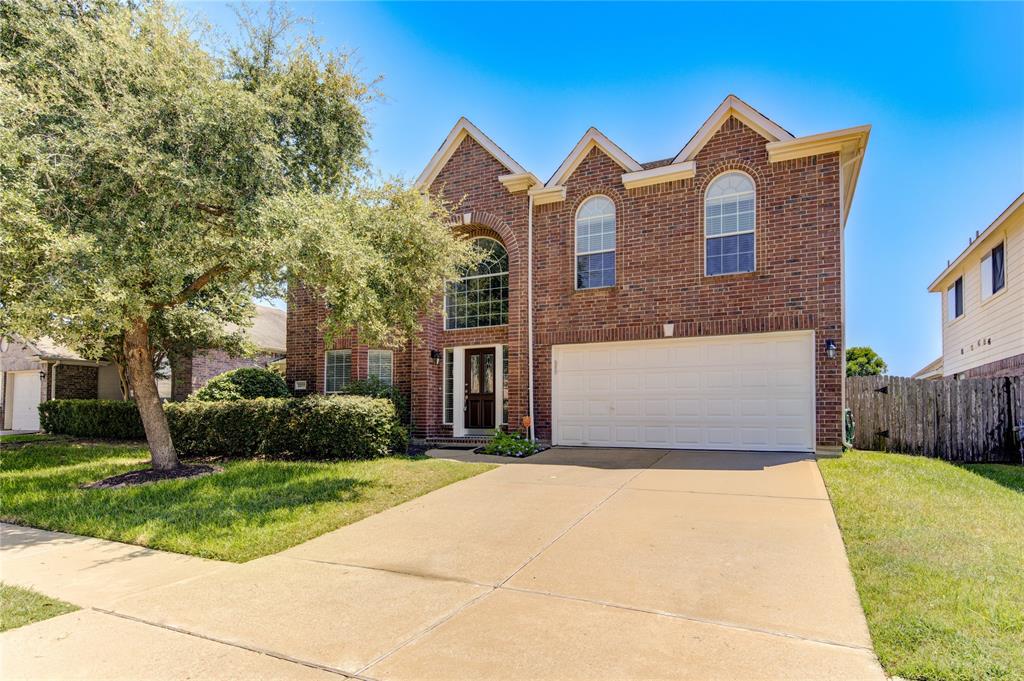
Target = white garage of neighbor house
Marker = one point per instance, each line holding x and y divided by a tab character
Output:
745	392
31	373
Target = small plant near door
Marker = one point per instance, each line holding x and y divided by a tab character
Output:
510	444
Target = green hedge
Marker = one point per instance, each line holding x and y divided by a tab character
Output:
113	419
337	427
246	383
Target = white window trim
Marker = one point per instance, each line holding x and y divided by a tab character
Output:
350	369
445	397
1006	279
951	315
391	364
577	253
478	276
704	217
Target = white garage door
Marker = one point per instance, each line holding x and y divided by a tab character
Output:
749	392
25	394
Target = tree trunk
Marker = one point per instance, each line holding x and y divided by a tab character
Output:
139	358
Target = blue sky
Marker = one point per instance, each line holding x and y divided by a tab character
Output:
942	84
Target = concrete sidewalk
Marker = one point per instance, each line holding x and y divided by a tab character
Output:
572	564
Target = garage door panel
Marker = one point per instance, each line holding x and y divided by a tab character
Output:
737	392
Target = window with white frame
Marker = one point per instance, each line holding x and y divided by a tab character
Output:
595	243
729	219
338	370
380	365
993	272
504	385
480	297
955	299
449	386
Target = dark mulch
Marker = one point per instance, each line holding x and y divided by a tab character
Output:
149	475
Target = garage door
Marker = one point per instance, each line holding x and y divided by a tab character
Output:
25	395
749	392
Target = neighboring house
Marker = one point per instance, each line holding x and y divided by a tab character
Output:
983	301
931	371
692	302
189	373
35	372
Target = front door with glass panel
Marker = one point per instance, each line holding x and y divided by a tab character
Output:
479	403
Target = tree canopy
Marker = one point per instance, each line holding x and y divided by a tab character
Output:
863	361
150	190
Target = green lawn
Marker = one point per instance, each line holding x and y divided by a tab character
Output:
252	509
19	607
937	551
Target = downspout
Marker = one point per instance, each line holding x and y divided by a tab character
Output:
529	305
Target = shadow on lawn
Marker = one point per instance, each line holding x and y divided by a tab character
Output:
1007	475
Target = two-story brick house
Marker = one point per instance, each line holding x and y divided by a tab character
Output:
692	302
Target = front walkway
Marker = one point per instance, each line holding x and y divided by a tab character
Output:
575	563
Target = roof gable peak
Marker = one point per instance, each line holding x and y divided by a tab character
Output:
462	129
592	138
748	115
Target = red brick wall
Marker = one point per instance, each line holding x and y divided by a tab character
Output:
1008	366
189	374
660	263
659	272
76	382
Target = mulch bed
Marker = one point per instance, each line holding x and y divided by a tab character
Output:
149	475
542	448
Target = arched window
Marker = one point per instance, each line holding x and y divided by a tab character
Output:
595	243
729	225
480	296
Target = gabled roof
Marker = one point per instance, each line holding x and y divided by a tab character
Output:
268	330
463	129
1016	205
592	138
931	370
732	106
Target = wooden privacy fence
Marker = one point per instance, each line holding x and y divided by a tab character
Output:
970	420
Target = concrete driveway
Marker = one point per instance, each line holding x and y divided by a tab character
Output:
572	564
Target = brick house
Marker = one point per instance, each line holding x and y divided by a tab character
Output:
691	302
34	372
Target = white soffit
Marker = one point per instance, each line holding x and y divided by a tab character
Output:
464	128
659	175
732	106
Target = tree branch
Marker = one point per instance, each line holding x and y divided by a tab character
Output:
197	284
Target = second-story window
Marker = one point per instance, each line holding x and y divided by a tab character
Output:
955	299
595	243
993	272
729	225
480	297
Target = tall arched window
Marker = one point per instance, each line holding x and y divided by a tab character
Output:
729	225
595	243
480	296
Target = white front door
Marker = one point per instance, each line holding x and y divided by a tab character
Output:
24	404
746	392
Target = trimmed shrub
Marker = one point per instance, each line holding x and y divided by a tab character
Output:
315	427
374	387
246	383
113	419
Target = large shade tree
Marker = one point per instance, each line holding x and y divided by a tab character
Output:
150	190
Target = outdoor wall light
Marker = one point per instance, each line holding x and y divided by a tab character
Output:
435	356
830	348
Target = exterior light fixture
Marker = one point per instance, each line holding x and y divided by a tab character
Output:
435	356
830	348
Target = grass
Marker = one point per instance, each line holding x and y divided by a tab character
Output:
19	438
19	607
937	552
251	509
